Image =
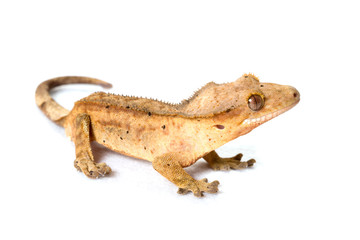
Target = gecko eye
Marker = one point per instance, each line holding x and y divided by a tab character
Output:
255	102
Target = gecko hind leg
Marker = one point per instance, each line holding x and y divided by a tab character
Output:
84	158
168	166
218	163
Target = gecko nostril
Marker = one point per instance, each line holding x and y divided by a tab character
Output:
295	95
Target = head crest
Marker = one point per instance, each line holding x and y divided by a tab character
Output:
251	75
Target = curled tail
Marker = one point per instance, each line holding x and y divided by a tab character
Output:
47	104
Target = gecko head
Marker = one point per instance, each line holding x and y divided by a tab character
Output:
261	102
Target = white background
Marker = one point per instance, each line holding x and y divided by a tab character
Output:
305	184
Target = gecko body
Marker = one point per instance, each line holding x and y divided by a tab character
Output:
171	136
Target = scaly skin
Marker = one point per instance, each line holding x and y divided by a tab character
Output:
171	136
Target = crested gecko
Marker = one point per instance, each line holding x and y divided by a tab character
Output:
171	136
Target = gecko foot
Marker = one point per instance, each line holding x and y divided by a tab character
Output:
200	186
91	169
235	162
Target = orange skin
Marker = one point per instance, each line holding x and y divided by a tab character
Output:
171	136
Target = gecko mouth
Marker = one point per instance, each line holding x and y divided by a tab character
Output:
260	120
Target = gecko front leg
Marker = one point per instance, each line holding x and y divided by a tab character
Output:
218	163
168	166
84	158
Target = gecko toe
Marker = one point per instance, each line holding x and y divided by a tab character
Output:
91	169
76	162
183	191
238	156
251	162
198	187
103	169
219	163
93	174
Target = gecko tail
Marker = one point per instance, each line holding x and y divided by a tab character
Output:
54	111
